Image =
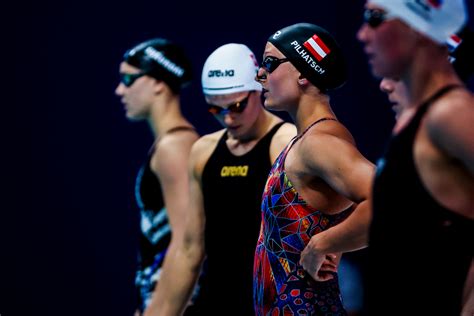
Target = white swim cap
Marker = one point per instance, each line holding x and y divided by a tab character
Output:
437	19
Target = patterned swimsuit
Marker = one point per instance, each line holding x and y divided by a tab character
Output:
281	286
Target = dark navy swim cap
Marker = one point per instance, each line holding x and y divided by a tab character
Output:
314	52
163	60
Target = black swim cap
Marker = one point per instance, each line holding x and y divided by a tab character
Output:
163	60
314	52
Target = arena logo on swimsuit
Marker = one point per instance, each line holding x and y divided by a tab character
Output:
234	171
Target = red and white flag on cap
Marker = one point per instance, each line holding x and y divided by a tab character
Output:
435	3
453	42
317	47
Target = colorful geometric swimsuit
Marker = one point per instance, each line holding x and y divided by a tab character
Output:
281	286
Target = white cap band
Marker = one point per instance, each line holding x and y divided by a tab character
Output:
437	19
230	68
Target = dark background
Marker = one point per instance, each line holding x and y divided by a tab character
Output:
68	219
